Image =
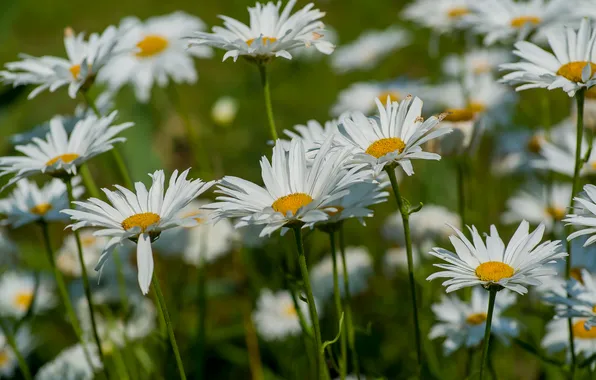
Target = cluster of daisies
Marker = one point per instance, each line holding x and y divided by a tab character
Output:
317	177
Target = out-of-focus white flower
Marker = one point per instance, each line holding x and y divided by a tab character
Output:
224	110
72	364
463	324
85	60
271	33
584	216
578	301
368	49
396	258
17	293
156	52
516	150
440	15
556	338
475	62
275	316
8	359
67	257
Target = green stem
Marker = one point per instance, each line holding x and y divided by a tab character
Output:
406	222
89	181
348	304
338	306
305	328
267	93
121	280
489	318
15	349
86	286
461	194
319	355
163	310
202	318
579	97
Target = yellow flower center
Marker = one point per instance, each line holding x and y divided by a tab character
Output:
558	213
576	273
573	70
22	300
493	271
387	145
535	144
65	158
195	216
460	114
291	203
4	358
75	70
476	318
266	40
88	241
579	331
477	107
457	12
41	209
394	96
142	220
290	311
519	22
151	45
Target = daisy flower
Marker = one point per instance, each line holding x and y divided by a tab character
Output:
506	20
539	205
581	302
271	33
360	97
85	60
294	192
59	153
584	217
556	338
515	151
355	204
359	267
440	15
463	323
16	294
396	258
515	266
275	316
394	137
475	61
203	243
29	203
156	51
369	49
67	257
224	111
72	363
8	359
571	67
140	217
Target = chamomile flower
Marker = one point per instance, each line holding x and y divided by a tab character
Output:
440	15
463	323
17	293
71	364
584	216
359	267
360	97
29	203
369	49
356	203
556	338
580	301
507	20
475	61
67	257
156	51
571	67
275	316
514	267
396	258
140	217
85	60
8	359
59	153
394	137
294	192
271	33
539	205
515	151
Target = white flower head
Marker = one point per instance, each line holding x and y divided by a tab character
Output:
29	203
275	316
475	61
356	203
224	110
271	33
584	216
440	15
394	137
556	338
72	364
9	361
67	257
295	191
463	323
85	59
396	259
509	20
513	266
156	52
578	301
368	49
140	217
359	267
17	293
571	67
539	205
61	153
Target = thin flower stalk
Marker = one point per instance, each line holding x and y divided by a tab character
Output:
489	317
338	306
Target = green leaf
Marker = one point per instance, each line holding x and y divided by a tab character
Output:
328	342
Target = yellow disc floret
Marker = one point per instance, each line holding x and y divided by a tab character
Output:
266	40
383	146
557	213
41	209
142	220
22	300
519	22
65	158
393	96
290	311
75	70
291	203
576	273
151	45
494	271
573	70
476	318
580	332
457	12
459	114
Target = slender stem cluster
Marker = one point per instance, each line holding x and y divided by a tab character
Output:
267	94
489	318
338	306
9	334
